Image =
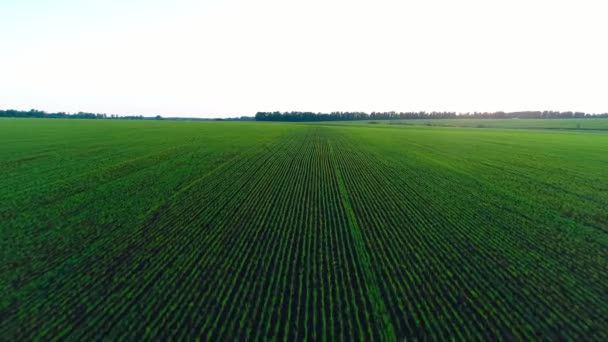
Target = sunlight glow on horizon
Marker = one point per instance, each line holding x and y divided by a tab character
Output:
236	57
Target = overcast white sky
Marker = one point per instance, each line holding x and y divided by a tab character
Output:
229	58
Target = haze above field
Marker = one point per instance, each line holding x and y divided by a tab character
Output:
231	58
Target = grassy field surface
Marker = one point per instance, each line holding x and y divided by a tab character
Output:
224	230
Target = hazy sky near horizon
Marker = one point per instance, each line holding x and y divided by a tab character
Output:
230	58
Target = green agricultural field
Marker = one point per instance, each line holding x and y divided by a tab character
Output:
592	124
228	230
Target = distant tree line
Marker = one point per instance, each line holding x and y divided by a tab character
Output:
12	113
344	116
310	116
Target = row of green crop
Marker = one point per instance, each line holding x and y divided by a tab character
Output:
80	196
205	264
83	276
76	275
545	306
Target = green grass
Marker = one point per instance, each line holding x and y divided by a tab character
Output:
229	230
